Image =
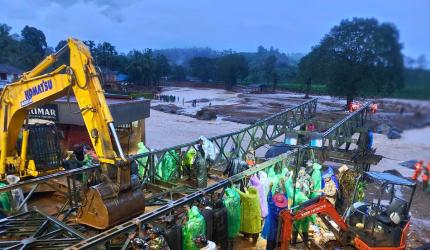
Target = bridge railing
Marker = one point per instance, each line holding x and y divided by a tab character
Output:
233	144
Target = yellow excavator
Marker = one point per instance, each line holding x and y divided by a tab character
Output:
119	196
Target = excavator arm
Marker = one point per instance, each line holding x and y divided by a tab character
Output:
35	89
108	202
319	205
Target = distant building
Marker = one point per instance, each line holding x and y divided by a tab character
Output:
258	88
112	79
8	73
129	116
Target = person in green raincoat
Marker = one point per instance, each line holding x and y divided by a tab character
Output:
141	162
303	224
250	222
194	227
188	161
5	207
316	180
232	203
168	167
200	167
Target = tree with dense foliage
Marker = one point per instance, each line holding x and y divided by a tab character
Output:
105	55
309	69
231	68
268	65
269	69
141	68
60	45
360	57
9	47
91	46
162	67
179	73
33	46
203	68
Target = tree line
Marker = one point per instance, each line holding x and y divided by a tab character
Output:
146	67
358	57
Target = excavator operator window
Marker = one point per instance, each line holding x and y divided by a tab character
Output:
379	212
44	147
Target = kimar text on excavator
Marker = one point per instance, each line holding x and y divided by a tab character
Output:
377	222
118	195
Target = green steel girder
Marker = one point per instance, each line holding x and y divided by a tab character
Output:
240	142
342	132
252	137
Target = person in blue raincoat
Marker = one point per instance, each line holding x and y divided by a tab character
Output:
275	204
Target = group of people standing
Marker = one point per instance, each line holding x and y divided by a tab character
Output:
280	191
166	98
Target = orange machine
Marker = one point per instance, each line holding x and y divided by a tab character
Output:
381	224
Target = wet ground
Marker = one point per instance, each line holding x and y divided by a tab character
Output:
249	107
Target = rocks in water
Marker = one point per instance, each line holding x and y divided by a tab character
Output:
167	108
206	114
394	134
201	100
391	132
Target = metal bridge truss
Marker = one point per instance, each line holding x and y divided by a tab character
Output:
238	143
35	230
230	145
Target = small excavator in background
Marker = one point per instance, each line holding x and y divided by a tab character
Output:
118	196
377	223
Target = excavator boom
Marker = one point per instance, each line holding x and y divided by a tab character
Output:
81	78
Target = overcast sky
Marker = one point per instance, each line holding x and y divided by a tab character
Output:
240	25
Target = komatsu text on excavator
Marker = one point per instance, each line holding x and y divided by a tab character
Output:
118	196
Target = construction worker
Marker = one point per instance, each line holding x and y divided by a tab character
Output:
329	189
373	108
418	169
426	176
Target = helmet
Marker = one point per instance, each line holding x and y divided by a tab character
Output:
395	218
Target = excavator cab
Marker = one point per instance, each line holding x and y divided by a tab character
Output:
119	195
381	218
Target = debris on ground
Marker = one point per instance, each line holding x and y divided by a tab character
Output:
206	114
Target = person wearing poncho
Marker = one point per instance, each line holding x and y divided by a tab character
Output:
276	203
303	224
188	161
167	169
304	182
5	206
255	182
316	180
251	213
194	227
264	180
232	203
142	161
